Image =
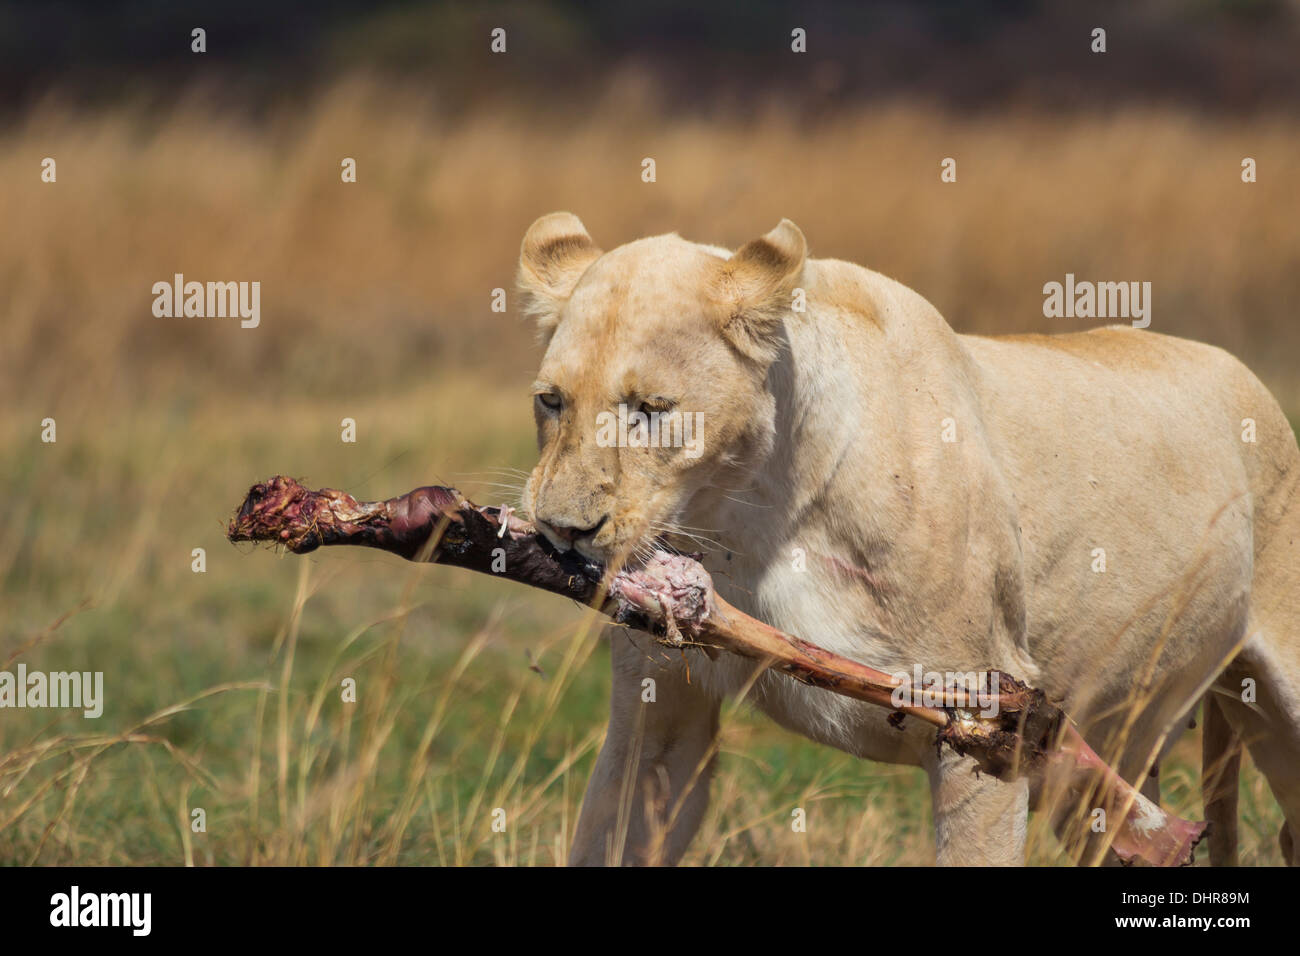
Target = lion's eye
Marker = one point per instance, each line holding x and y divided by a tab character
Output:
660	406
550	400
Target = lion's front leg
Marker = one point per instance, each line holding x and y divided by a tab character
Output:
650	787
978	820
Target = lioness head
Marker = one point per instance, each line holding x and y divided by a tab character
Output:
652	389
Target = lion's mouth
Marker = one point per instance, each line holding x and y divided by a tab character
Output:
586	549
631	557
558	544
572	558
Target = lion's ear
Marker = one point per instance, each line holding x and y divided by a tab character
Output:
756	286
555	253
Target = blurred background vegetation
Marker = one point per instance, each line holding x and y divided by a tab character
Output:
376	305
1223	55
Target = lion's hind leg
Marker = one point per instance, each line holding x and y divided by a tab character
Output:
1220	772
1259	695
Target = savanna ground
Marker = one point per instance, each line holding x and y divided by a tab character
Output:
223	688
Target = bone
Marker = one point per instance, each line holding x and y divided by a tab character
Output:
671	596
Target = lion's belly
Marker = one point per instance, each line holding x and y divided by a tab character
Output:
1155	620
1130	479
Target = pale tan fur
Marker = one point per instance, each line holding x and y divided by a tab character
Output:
832	508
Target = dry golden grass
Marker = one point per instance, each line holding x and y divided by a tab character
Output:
376	306
403	262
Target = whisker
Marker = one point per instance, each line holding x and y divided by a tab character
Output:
734	491
702	544
703	540
688	527
747	504
683	528
495	473
498	484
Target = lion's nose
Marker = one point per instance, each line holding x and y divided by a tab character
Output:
570	533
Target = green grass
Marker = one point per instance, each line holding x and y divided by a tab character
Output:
286	772
223	689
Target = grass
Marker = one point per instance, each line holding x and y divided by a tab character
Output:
404	261
224	688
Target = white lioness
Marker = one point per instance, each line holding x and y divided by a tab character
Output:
1109	515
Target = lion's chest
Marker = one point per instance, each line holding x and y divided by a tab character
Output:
804	604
